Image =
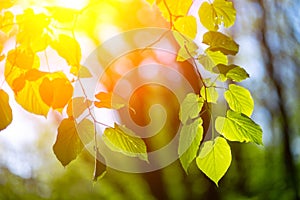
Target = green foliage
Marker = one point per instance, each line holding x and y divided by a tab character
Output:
190	107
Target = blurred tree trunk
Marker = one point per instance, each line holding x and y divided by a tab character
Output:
279	88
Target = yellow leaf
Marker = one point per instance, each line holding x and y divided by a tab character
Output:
69	49
187	26
213	15
5	110
63	15
6	4
176	8
6	22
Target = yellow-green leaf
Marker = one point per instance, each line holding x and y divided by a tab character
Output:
233	72
239	99
212	59
86	131
219	42
189	141
190	107
5	110
84	72
210	94
238	127
186	25
188	48
68	144
213	15
214	158
176	8
123	140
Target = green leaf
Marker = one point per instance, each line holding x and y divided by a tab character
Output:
220	42
189	141
233	72
238	127
239	99
214	159
100	168
187	25
5	110
68	144
211	95
212	59
190	107
213	15
123	140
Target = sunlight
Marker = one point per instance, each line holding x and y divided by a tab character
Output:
78	4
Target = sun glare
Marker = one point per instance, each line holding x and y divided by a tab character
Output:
78	4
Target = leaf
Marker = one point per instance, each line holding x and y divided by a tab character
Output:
80	104
188	48
63	15
213	15
176	8
238	127
100	168
187	25
190	107
86	131
233	72
68	144
24	59
210	94
220	42
6	21
151	2
189	141
84	72
5	110
69	49
4	4
109	100
214	159
239	99
212	59
123	140
33	30
56	90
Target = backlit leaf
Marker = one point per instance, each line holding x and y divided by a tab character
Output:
239	99
5	110
189	141
210	94
187	26
233	72
80	104
188	48
123	140
68	48
86	131
177	8
84	72
109	100
68	144
239	127
212	59
190	107
213	15
6	21
214	158
4	4
220	42
100	168
63	15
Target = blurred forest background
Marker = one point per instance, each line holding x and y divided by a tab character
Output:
269	35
